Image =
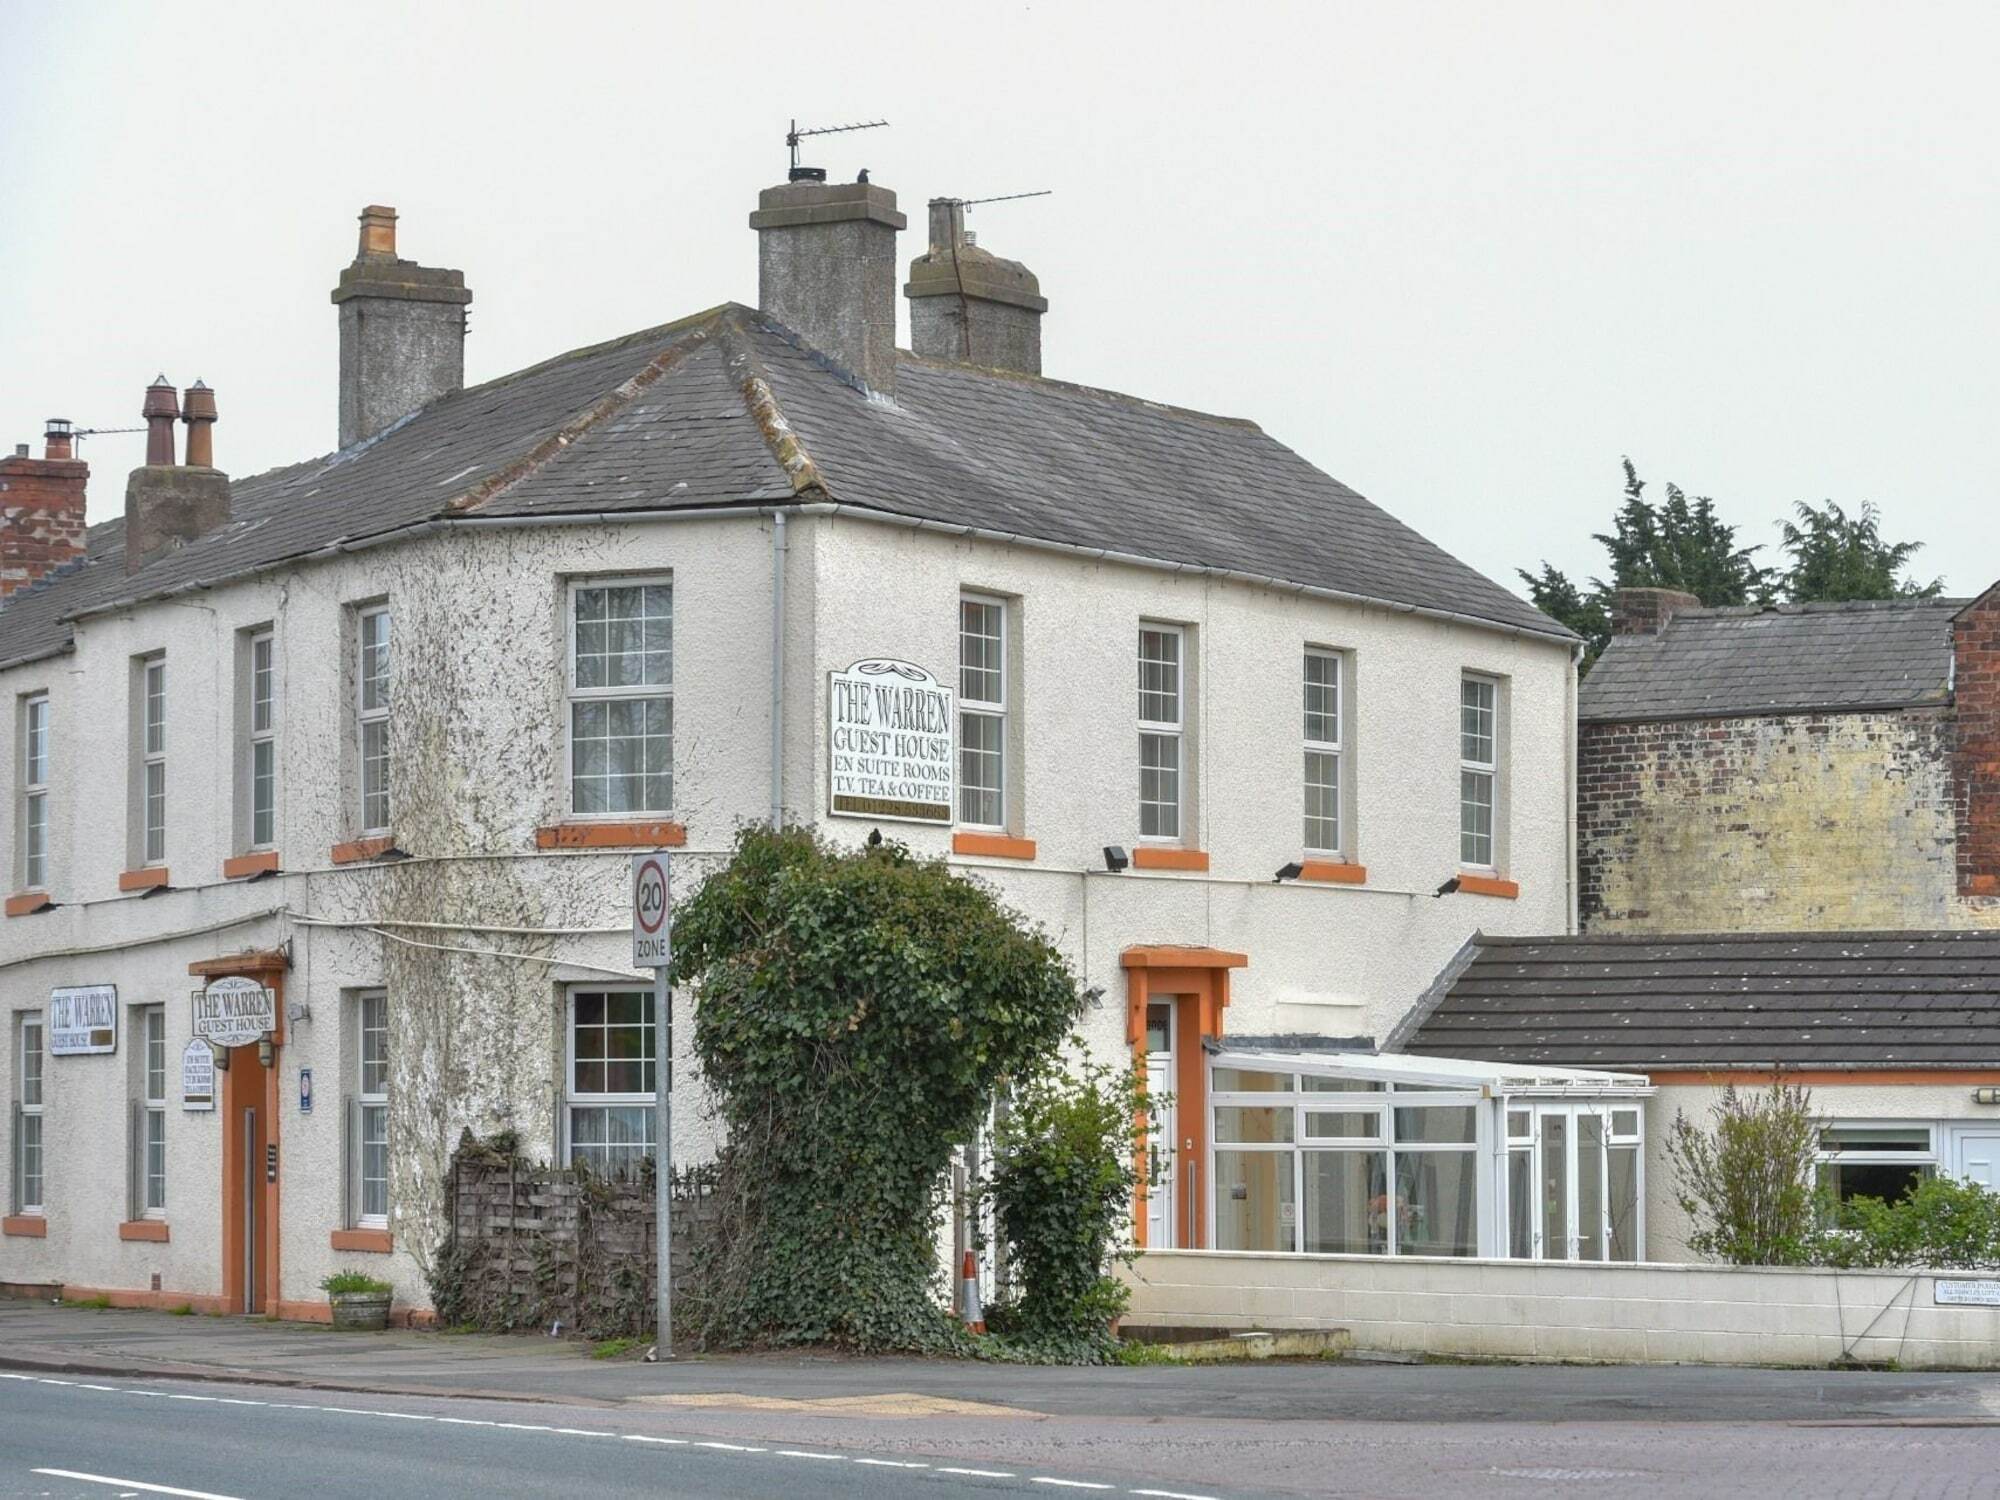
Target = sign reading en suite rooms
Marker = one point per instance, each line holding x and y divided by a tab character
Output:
892	743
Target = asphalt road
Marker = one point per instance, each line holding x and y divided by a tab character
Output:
83	1436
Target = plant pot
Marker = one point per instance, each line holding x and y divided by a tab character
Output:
361	1312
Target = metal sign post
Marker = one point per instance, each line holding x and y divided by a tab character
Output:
652	947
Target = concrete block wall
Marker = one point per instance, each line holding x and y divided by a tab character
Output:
1662	1314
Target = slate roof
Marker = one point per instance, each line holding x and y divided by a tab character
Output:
728	408
1752	1000
1786	659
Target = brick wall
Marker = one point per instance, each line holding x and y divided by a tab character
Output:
1844	821
1976	759
41	517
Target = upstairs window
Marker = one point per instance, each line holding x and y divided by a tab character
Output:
29	1191
611	1078
263	763
1478	770
621	698
1322	752
35	792
1160	732
982	712
373	716
153	761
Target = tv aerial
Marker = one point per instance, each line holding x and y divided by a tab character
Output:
795	135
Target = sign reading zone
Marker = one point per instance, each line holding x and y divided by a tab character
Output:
652	909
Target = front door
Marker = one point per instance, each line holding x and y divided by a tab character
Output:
249	1188
1976	1156
1576	1182
1160	1196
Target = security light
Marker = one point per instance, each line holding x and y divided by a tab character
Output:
1446	889
1290	871
265	1051
1115	858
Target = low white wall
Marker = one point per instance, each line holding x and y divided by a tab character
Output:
1674	1314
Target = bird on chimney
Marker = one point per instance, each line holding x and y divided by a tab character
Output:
864	175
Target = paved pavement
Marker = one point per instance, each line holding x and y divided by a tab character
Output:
418	1414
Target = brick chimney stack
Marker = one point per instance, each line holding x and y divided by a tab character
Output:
402	332
970	306
41	509
1647	611
826	269
168	505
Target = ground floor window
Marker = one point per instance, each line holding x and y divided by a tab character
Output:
611	1078
1875	1161
28	1180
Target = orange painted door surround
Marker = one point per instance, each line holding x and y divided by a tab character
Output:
251	1170
1196	982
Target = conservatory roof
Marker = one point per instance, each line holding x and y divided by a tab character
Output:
1438	1072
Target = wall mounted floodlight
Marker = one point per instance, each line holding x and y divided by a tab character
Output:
265	1051
1286	872
1446	889
1986	1093
1115	858
221	1056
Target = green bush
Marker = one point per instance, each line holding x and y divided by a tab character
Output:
353	1281
1941	1224
856	1011
1061	1184
1746	1180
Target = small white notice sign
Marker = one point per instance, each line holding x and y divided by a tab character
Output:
892	743
1963	1291
652	911
83	1019
234	1012
197	1075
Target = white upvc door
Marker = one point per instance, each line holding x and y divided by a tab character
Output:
1975	1155
1572	1200
1161	1197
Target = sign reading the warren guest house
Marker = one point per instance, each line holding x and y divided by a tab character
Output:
83	1020
234	1012
892	743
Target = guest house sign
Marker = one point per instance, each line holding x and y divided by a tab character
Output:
83	1020
197	1076
234	1012
891	739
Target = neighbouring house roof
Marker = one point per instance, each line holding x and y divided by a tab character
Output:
1785	659
729	409
1752	1000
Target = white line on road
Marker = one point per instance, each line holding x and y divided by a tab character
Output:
640	1437
838	1458
978	1473
891	1463
1070	1484
132	1484
1172	1495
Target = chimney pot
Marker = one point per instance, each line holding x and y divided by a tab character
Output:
826	269
20	450
161	411
59	439
402	332
199	414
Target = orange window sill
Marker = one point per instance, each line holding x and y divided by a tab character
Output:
1335	871
25	902
1488	885
992	845
660	835
354	851
1152	857
238	866
25	1226
142	880
154	1230
373	1241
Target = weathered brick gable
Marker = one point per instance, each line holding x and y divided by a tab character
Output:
1975	638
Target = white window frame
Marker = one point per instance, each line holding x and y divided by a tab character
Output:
575	1100
1932	1156
29	1105
1163	731
374	717
35	753
1468	766
617	694
372	1106
153	1094
987	710
1330	749
153	760
263	737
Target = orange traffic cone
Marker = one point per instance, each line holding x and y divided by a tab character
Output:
968	1296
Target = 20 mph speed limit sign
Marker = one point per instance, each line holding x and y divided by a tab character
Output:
652	908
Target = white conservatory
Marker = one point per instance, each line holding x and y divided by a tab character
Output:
1356	1153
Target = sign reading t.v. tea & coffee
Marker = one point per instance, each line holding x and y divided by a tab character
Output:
892	743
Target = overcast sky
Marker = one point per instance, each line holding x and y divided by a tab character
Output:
1461	256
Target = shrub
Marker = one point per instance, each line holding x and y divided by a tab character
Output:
856	1011
345	1282
1061	1184
1941	1223
1746	1180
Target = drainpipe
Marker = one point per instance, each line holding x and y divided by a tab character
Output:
1570	757
778	550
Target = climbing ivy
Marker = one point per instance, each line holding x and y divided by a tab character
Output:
855	1013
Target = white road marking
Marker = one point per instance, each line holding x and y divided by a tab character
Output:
132	1484
1172	1495
225	1400
640	1437
978	1473
890	1463
89	1387
838	1458
584	1432
1070	1484
468	1422
171	1395
732	1447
